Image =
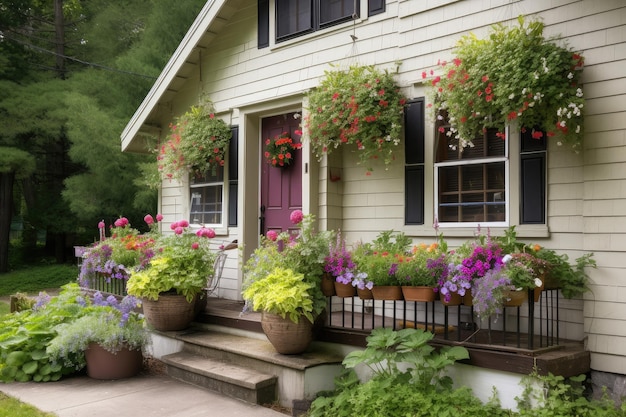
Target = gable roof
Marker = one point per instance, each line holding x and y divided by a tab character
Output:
212	18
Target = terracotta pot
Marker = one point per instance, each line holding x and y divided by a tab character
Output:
418	293
455	300
344	290
515	298
170	312
102	364
328	285
287	337
365	294
387	292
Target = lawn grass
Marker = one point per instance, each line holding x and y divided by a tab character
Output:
31	280
9	406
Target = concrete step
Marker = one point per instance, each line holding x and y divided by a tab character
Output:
226	378
217	359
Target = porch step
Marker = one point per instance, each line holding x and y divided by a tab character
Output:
246	366
225	378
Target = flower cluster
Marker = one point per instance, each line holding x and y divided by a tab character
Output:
339	263
117	256
381	259
413	270
303	254
489	292
360	106
514	76
198	142
279	151
182	263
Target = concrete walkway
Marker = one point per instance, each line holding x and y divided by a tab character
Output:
145	395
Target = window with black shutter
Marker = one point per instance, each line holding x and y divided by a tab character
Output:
533	153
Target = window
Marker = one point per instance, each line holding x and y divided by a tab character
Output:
207	203
472	187
298	17
207	196
471	181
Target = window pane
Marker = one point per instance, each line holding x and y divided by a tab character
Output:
206	204
293	16
480	197
333	10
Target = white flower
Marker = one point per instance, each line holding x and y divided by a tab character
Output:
511	96
297	115
538	282
506	258
569	114
570	76
524	91
439	117
559	143
536	75
577	128
562	123
559	112
579	92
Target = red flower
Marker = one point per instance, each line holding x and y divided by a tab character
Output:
456	61
512	115
485	78
537	134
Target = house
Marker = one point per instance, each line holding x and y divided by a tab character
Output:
257	59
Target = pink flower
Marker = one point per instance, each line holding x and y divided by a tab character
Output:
296	216
195	245
101	224
179	230
174	225
121	222
183	223
159	217
148	219
272	235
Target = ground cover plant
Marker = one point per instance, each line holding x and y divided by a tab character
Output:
409	379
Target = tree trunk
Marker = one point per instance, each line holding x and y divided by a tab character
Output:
6	206
59	30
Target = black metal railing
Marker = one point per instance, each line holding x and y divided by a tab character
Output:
531	326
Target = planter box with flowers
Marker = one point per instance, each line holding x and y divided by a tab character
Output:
280	150
360	106
514	76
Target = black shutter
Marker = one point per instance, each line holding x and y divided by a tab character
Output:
414	158
263	24
532	178
375	7
233	176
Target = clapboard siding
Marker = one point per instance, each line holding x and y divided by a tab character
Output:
586	192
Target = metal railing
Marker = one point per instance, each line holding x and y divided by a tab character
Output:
531	326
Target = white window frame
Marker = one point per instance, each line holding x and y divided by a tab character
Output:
223	202
507	186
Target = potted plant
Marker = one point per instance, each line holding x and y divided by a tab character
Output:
514	76
106	335
177	273
294	263
340	266
380	260
416	279
525	271
572	280
198	142
360	106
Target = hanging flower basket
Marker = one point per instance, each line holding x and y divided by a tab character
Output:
198	142
360	106
515	76
280	150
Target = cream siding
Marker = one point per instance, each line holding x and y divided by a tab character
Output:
586	192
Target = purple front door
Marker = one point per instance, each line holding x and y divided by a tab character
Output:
281	187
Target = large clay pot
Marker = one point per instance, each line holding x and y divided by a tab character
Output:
169	312
102	364
418	293
387	292
287	337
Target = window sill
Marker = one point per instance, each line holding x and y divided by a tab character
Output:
525	231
